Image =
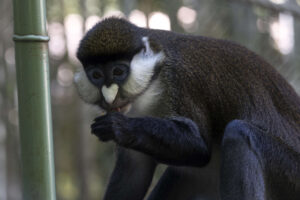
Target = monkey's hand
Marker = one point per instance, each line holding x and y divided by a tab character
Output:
113	126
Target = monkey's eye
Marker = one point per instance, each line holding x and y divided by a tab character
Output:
95	75
120	72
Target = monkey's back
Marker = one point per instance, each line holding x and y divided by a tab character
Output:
229	82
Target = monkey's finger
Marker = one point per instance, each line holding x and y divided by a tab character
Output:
104	121
104	136
110	117
103	132
103	117
102	125
102	129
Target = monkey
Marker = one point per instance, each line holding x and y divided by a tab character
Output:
222	119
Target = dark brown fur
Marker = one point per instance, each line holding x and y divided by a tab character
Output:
212	82
231	83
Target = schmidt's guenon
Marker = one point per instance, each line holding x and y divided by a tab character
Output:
222	119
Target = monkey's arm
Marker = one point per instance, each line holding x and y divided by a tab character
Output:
131	176
174	141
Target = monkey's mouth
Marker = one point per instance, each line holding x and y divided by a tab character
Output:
118	107
122	109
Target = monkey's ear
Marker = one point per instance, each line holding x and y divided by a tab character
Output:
151	47
142	69
155	46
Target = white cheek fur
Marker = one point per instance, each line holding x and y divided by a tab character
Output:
142	69
86	90
150	97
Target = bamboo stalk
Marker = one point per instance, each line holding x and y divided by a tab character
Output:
31	50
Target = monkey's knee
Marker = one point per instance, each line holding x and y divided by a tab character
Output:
241	167
239	132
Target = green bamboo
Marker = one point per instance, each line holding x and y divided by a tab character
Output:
34	100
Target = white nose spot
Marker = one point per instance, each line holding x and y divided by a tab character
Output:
110	93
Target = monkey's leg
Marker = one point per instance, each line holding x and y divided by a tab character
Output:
241	170
131	177
257	165
176	184
190	183
167	186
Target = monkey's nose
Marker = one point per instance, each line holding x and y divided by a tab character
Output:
110	93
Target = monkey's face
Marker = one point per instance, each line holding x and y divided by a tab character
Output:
115	82
108	80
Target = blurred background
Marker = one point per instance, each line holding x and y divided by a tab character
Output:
271	28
